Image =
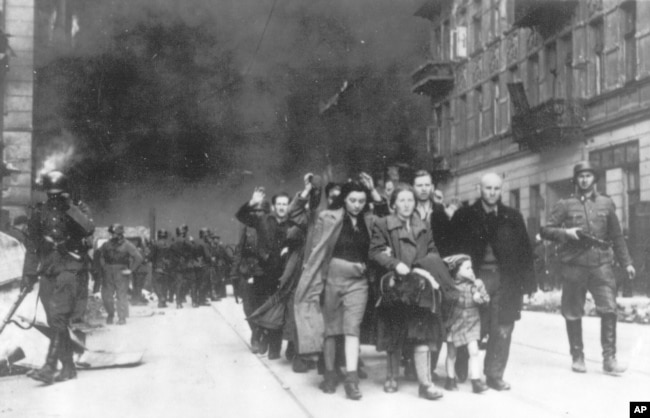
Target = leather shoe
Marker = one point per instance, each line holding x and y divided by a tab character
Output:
352	390
478	386
430	392
390	385
329	383
451	384
497	384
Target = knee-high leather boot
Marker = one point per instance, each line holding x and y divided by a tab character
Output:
574	332
46	373
68	371
608	342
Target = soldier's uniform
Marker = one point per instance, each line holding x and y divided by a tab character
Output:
56	253
182	264
202	259
161	263
116	256
222	261
140	276
587	265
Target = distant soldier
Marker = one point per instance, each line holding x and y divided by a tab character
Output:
118	259
55	252
222	261
161	263
182	264
202	255
140	275
587	227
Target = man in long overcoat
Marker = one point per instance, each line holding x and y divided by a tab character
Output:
495	236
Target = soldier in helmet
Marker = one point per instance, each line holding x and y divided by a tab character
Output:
118	259
590	234
182	263
55	235
203	259
161	263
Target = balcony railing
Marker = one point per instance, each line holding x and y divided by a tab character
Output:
552	123
435	79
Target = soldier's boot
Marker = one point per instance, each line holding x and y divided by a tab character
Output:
608	342
46	373
574	332
68	371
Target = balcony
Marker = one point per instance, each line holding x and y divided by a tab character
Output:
435	79
431	9
550	124
547	16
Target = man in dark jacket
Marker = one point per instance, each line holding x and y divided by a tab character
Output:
271	229
495	237
587	264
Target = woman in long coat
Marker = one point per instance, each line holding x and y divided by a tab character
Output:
335	274
402	242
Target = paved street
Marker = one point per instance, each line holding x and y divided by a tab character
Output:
197	363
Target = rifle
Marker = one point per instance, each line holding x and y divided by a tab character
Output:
589	240
13	309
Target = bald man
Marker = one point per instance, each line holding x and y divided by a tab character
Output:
495	237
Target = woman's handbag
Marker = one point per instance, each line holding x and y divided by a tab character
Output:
411	290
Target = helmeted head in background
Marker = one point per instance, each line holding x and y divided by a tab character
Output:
55	183
182	231
162	234
116	230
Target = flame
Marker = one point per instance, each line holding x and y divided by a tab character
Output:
57	160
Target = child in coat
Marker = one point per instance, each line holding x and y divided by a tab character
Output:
464	324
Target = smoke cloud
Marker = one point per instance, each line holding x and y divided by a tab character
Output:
171	104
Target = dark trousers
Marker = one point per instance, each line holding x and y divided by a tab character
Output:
58	294
81	300
162	282
499	330
183	281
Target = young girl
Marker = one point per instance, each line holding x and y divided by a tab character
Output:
464	325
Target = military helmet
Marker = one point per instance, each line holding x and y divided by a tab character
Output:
585	166
55	182
162	234
116	229
182	230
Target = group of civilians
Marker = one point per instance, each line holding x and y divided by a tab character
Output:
414	274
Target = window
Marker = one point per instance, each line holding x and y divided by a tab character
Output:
476	29
514	199
551	75
445	139
628	10
478	113
487	119
496	105
565	81
461	122
532	84
446	41
507	108
597	41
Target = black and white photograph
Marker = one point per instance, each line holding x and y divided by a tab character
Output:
325	208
